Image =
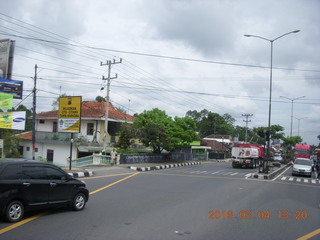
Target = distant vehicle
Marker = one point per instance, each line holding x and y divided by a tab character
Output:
302	166
26	185
302	151
277	157
246	155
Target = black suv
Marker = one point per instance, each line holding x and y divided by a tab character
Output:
28	184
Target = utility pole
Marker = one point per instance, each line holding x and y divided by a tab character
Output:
34	113
246	121
109	63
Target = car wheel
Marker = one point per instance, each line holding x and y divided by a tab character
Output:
79	202
14	211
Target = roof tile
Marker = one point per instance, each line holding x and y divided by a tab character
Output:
92	109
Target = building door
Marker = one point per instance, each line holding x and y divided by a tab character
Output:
50	155
55	127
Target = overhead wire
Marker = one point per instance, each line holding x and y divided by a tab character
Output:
128	75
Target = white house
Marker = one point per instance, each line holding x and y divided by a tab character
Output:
56	147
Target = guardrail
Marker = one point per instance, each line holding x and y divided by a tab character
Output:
84	161
91	160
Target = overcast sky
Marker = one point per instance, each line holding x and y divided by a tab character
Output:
177	55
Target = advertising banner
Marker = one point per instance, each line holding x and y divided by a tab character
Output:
13	87
6	58
13	120
69	114
6	100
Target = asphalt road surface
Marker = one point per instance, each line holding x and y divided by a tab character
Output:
208	201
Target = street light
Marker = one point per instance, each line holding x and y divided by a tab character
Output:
292	99
270	95
299	124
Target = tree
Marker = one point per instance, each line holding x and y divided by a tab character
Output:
197	116
289	142
126	134
261	133
100	99
241	132
208	123
159	131
214	124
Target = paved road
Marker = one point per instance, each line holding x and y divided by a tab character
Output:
208	201
286	176
218	169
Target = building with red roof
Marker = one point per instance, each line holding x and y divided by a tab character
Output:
55	147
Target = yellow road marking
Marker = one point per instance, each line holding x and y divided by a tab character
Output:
100	189
309	235
104	176
18	224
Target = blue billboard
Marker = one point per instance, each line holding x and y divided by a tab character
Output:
13	87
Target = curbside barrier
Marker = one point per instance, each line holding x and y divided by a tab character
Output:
143	169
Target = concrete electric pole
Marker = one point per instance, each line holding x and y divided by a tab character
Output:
109	63
246	121
34	113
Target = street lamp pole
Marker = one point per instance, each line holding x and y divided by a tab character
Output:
292	99
299	124
270	92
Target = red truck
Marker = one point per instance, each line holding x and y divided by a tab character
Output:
302	151
246	155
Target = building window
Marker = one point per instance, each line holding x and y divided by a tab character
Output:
28	149
90	128
41	121
36	149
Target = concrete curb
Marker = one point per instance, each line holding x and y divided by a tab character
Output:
143	169
85	173
272	174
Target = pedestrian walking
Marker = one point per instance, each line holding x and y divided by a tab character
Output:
113	156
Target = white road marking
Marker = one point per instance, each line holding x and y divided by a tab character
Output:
248	175
280	174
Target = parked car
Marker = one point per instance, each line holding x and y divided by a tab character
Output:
302	166
28	184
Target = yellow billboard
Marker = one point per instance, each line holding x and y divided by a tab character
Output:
69	114
13	120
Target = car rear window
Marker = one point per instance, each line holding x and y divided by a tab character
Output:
303	162
12	171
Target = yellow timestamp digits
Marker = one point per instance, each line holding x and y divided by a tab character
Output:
257	215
